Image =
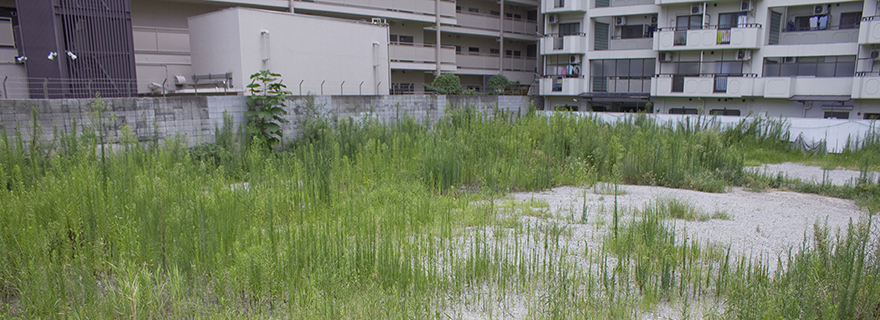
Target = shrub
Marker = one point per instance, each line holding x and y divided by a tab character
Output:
446	83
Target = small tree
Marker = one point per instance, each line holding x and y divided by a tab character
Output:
446	83
498	83
266	104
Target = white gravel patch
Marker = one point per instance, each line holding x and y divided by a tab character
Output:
838	176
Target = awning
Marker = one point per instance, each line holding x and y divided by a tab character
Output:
820	98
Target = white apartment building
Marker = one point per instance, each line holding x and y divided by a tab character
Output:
794	58
477	39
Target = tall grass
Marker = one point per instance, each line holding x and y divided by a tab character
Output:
359	220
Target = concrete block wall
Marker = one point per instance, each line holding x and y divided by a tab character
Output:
196	117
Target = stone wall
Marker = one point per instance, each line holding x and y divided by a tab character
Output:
196	117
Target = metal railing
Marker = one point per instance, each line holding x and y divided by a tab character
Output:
55	88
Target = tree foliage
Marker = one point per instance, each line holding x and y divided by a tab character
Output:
498	83
446	83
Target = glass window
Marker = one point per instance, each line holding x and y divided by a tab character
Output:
850	20
632	31
474	50
569	29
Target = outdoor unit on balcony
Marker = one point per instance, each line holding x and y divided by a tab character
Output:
789	60
666	57
574	60
820	9
746	5
743	55
553	18
875	54
619	21
697	8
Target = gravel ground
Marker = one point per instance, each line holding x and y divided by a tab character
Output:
838	176
762	225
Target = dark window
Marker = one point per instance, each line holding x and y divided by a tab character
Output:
532	15
474	50
494	51
724	112
622	75
401	39
474	10
872	116
457	8
532	51
732	20
824	66
458	49
632	31
836	114
850	20
569	29
494	13
682	111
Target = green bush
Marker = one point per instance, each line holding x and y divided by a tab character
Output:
446	83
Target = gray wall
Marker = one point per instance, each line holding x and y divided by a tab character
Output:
195	117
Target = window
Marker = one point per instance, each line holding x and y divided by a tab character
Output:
512	53
622	75
401	39
457	49
732	20
850	20
824	66
632	31
836	114
683	24
402	88
494	51
473	50
473	10
724	112
809	23
872	116
569	29
457	8
6	38
682	111
494	13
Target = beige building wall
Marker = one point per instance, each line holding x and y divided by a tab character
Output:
245	41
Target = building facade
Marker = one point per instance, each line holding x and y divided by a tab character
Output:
791	58
474	39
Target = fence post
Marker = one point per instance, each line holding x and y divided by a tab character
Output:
301	87
5	93
341	89
322	87
377	87
361	88
46	88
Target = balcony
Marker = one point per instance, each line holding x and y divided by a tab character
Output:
569	44
556	6
869	30
827	36
788	87
520	64
477	62
706	85
561	86
621	84
866	86
707	38
621	3
420	57
520	26
422	7
492	23
631	44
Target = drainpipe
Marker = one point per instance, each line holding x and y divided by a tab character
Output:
810	106
437	45
501	40
291	6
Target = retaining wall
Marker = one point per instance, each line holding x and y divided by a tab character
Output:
196	117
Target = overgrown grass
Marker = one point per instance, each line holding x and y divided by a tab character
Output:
359	220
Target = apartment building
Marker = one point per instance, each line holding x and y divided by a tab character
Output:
472	38
795	58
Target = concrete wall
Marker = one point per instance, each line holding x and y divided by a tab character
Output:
245	41
196	117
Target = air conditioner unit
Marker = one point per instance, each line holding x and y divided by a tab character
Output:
653	19
377	21
746	5
574	59
789	60
666	57
875	54
697	8
619	21
553	18
743	55
820	9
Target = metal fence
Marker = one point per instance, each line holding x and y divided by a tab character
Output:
53	88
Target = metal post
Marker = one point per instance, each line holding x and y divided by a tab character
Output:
163	86
301	87
322	87
438	36
377	87
360	88
5	93
46	88
341	92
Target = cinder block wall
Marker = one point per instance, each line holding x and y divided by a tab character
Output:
196	117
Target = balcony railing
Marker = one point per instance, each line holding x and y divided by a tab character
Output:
622	84
563	5
744	36
563	86
426	7
831	34
618	43
565	44
867	35
417	52
490	22
704	85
